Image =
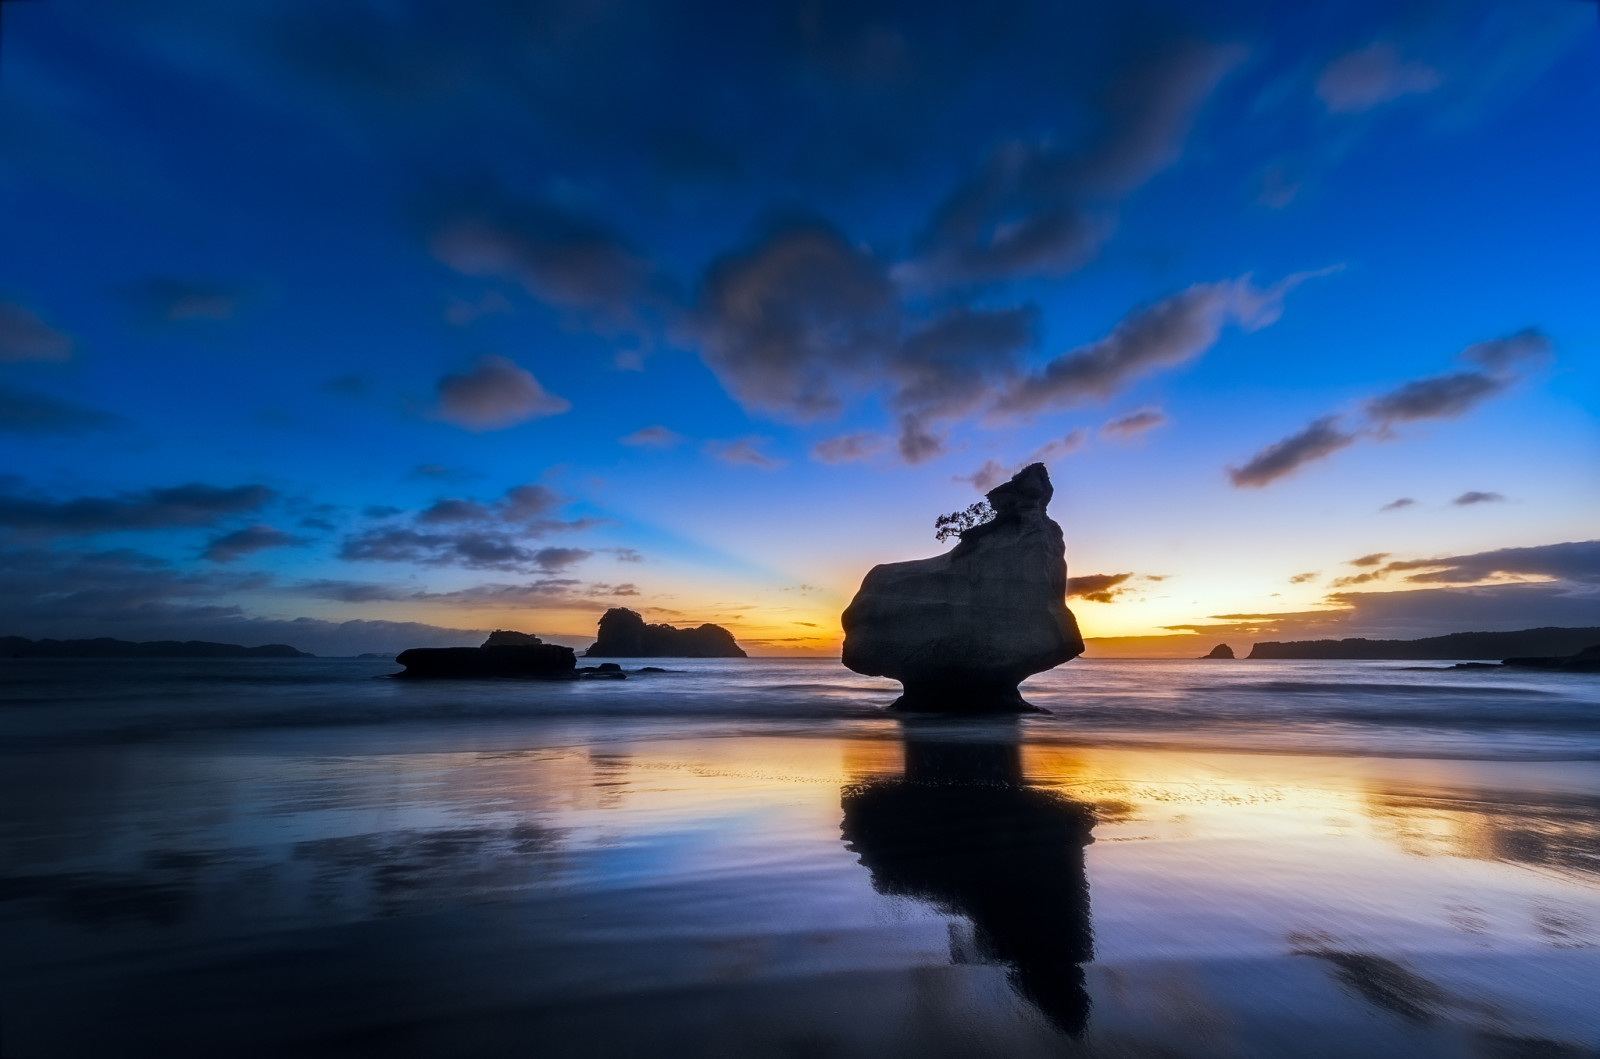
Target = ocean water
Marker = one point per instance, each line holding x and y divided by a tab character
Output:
754	857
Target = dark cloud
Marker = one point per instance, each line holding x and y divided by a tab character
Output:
166	300
192	505
1368	560
1396	505
1300	579
495	394
1438	397
23	336
460	312
1476	497
1435	397
1320	438
1038	208
789	322
1570	561
1097	588
571	262
476	534
251	539
848	448
33	413
741	453
655	437
1168	333
1368	77
1134	423
555	560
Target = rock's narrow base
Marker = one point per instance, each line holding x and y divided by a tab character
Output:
948	698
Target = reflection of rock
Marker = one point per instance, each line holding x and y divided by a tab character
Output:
960	830
624	634
961	630
1585	661
1222	650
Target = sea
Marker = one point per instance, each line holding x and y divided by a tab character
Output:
757	857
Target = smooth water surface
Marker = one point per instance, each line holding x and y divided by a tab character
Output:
752	857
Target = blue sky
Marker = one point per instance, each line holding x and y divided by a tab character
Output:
358	326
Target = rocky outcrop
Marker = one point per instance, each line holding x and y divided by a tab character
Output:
961	630
1222	650
1585	661
624	634
502	655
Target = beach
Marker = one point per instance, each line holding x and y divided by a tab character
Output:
754	857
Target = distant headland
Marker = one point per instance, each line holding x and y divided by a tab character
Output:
1547	641
106	647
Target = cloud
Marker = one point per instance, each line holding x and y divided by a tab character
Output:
1368	560
1163	335
476	534
789	322
1475	497
32	413
1396	505
993	472
166	300
1438	397
440	473
1097	588
494	395
1300	579
192	505
239	543
848	448
1435	397
559	256
627	555
656	437
1037	208
1320	438
1134	423
1360	80
23	336
741	453
1571	561
555	560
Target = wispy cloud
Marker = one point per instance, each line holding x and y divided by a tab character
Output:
741	452
1321	437
654	437
1475	497
24	336
1368	77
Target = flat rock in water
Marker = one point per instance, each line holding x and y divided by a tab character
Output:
961	630
546	660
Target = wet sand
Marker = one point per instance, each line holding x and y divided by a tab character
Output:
875	887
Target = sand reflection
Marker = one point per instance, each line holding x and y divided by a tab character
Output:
961	829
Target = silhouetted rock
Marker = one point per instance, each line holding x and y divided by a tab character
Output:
546	660
1546	641
962	831
1222	650
106	647
508	638
1585	661
961	630
624	634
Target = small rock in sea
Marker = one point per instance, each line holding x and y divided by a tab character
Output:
1585	661
624	634
1222	650
961	630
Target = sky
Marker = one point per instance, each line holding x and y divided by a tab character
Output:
372	325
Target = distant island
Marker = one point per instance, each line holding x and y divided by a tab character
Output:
624	634
1547	641
106	647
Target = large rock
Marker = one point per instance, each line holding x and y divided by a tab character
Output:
961	630
624	634
503	654
1222	650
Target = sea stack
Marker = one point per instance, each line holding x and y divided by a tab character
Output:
1222	650
961	630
